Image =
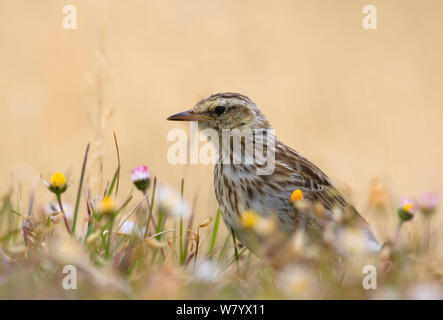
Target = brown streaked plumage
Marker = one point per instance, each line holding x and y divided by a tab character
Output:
239	188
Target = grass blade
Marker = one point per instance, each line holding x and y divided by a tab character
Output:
114	179
236	257
79	192
214	233
221	254
234	240
123	205
151	206
182	254
118	162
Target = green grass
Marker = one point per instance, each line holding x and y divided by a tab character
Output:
214	233
79	192
178	260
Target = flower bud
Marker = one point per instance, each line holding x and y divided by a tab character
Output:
57	183
140	177
428	202
406	210
296	195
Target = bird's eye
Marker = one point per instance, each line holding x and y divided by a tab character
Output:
219	110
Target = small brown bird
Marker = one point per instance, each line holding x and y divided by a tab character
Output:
239	188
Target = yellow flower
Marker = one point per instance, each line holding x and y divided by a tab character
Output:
249	219
296	195
57	183
106	205
57	180
408	206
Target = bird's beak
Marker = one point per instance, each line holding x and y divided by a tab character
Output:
189	116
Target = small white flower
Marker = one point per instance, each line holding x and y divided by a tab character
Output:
298	281
171	201
207	270
426	291
96	200
355	241
352	240
53	207
386	293
127	227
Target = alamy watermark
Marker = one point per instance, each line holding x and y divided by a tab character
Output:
69	21
69	281
370	19
239	147
369	281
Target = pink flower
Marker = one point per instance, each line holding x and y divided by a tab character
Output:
428	202
408	205
141	178
407	209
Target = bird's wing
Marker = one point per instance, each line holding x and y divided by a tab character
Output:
320	187
316	185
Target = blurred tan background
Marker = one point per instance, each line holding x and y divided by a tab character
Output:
361	104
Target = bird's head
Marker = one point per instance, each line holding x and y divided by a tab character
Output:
225	111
